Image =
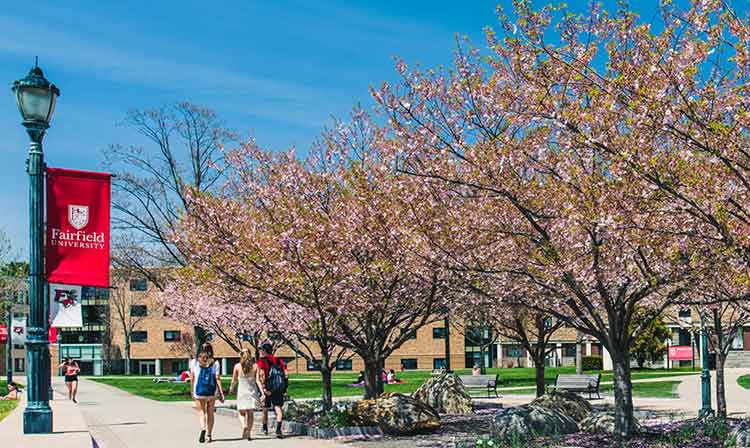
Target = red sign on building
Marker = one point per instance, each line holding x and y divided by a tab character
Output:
78	227
3	334
681	353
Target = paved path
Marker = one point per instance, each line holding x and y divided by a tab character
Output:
118	419
69	428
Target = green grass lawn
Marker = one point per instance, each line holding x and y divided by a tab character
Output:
744	381
309	385
6	407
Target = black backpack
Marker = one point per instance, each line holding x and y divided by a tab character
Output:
277	381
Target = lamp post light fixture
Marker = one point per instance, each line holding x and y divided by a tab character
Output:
36	98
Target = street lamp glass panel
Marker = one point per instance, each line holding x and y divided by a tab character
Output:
36	104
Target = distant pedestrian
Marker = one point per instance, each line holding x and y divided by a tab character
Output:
476	370
246	376
12	392
205	379
71	371
274	384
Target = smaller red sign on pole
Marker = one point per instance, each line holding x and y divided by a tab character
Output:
681	353
52	335
3	334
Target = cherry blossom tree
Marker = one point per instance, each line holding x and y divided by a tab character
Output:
519	137
323	235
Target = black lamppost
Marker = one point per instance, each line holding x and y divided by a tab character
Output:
36	99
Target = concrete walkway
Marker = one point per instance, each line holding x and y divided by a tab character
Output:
118	419
69	427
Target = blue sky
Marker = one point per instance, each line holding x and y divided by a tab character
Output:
276	70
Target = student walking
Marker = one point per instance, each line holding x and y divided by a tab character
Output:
71	371
274	381
246	376
205	378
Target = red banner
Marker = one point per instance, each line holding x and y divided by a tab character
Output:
3	334
681	353
78	227
52	335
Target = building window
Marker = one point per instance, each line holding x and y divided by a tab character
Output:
344	364
313	366
438	333
19	346
569	350
138	310
684	313
409	363
438	363
179	366
171	335
94	314
138	284
20	364
139	336
412	335
738	343
513	351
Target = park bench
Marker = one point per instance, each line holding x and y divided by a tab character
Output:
488	382
585	383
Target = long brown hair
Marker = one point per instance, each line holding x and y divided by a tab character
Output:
247	360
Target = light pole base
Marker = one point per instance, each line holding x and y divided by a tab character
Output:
37	420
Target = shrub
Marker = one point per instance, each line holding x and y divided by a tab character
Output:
335	418
592	362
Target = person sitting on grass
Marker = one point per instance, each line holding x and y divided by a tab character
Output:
360	380
391	378
12	392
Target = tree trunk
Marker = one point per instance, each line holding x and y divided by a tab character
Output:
373	381
624	422
482	368
721	395
579	352
540	385
127	355
326	374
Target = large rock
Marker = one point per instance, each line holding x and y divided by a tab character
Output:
568	403
740	435
529	421
396	414
603	422
446	394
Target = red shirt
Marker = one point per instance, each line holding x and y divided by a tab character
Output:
265	364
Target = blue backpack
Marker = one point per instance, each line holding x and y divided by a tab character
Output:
205	384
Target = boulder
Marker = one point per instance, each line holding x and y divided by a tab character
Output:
300	411
396	414
568	403
529	421
445	393
602	422
740	435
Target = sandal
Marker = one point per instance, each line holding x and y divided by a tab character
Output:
202	437
208	439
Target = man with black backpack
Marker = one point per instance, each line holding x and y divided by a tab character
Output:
275	381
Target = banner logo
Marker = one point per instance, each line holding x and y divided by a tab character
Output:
66	297
78	216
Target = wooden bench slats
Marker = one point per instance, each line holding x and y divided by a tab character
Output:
585	383
481	381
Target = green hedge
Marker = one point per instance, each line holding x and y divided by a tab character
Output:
592	363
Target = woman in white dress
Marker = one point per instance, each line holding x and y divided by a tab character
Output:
246	377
